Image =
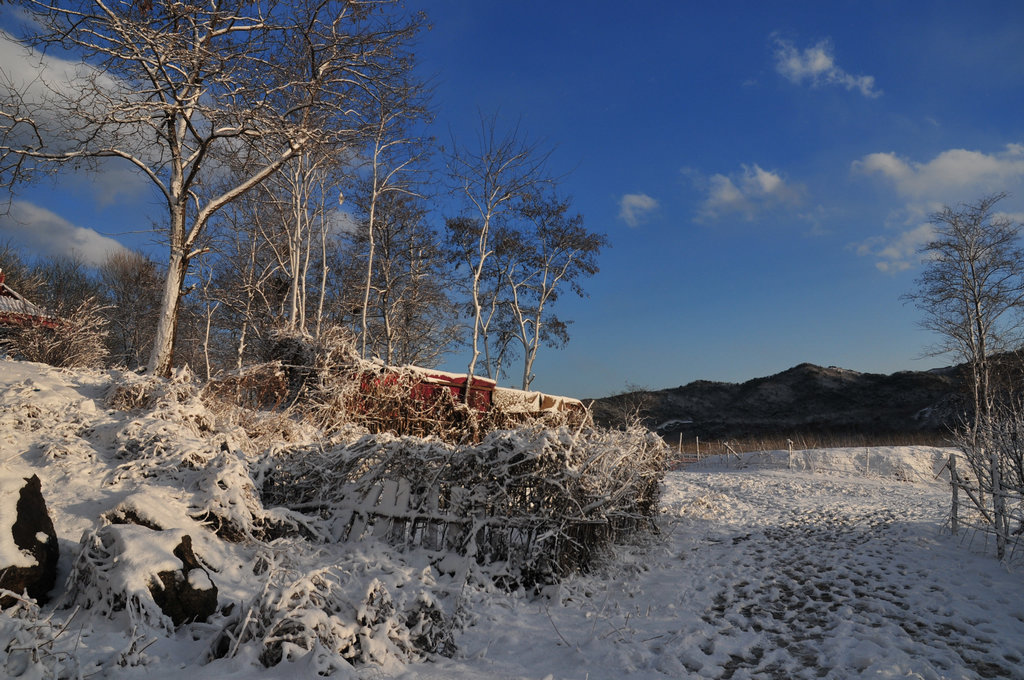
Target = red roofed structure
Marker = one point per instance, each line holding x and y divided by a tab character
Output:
15	310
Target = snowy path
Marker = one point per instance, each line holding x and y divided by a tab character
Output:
771	574
831	592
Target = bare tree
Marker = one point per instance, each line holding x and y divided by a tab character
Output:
396	153
971	293
246	265
64	283
409	318
131	294
487	305
972	289
175	89
490	178
289	216
555	253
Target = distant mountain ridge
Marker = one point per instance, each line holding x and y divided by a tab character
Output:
802	399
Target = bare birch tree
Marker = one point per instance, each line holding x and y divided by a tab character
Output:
972	289
490	178
484	307
971	293
175	89
555	253
395	155
409	317
290	217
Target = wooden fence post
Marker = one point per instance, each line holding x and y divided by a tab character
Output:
954	517
998	504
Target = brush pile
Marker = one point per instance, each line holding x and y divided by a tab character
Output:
336	548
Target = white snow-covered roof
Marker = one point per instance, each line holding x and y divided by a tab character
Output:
522	401
15	308
437	375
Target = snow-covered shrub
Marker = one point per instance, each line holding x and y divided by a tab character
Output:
114	569
259	387
178	399
255	399
78	341
531	504
330	617
311	364
322	383
331	388
33	645
178	439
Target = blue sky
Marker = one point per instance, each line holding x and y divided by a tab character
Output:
764	171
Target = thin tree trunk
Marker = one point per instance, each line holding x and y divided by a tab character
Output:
369	266
323	276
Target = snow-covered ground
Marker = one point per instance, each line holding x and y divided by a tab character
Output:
829	564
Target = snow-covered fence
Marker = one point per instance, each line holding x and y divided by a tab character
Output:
989	472
884	462
529	505
985	508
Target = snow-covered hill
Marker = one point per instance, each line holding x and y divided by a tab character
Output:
830	564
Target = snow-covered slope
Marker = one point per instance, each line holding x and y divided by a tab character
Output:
830	564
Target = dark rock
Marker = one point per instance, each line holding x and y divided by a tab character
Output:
33	533
188	594
127	514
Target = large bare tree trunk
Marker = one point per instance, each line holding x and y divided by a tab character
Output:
161	360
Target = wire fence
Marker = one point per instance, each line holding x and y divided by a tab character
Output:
875	462
693	448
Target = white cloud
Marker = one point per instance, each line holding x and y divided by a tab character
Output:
953	175
747	193
817	66
1017	217
723	196
39	78
636	208
110	181
897	253
46	233
43	84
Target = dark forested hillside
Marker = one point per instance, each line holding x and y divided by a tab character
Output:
803	399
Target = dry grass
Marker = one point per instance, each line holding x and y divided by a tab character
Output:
829	440
76	342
